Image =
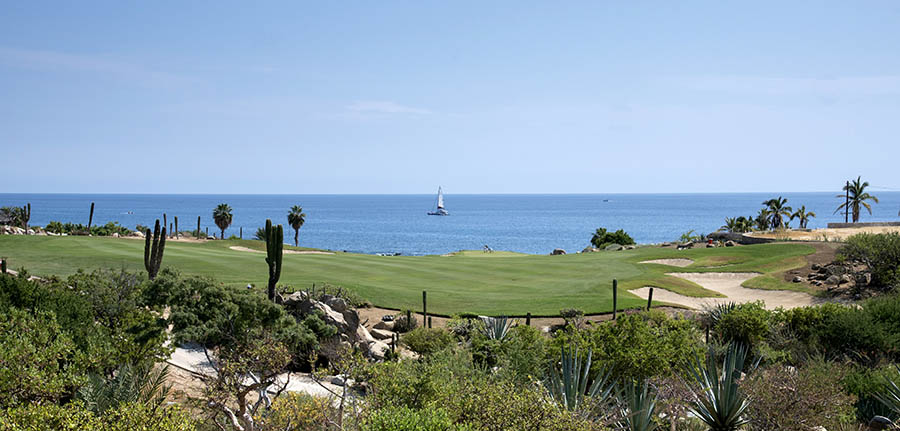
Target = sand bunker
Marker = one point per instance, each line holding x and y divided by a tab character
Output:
679	262
728	284
239	248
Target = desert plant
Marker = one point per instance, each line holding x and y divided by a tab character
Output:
568	383
425	341
296	217
880	253
497	328
890	397
856	190
638	401
721	404
274	254
154	246
405	322
142	384
572	316
222	216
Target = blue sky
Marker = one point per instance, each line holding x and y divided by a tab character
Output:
479	97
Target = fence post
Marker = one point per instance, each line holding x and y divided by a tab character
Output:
649	299
527	319
615	294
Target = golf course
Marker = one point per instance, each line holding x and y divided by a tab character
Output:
468	281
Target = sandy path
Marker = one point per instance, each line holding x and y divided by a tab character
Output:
239	248
823	234
679	262
728	284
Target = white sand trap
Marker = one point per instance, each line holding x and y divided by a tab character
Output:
239	248
728	284
679	262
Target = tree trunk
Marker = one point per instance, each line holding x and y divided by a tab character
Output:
296	234
223	234
855	212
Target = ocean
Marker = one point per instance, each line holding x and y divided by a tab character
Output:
533	224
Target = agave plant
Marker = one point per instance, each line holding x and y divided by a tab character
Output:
568	383
720	404
638	402
891	396
140	384
715	313
497	328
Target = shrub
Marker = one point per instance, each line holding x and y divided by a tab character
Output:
880	253
746	324
637	346
602	238
407	419
865	383
73	416
790	399
425	341
298	412
464	326
572	316
402	324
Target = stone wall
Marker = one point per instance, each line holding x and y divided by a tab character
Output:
870	224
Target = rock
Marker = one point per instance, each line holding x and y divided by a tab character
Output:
384	326
340	380
730	243
337	304
797	279
589	250
378	349
685	245
817	283
557	252
834	280
364	336
880	423
115	235
710	245
614	247
381	334
630	247
846	278
815	267
30	232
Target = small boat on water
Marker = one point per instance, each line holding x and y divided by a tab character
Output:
439	208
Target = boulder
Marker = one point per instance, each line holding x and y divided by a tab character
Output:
557	252
115	235
815	267
614	247
710	245
730	243
833	279
337	304
589	250
384	326
378	349
630	247
381	334
797	279
685	245
846	278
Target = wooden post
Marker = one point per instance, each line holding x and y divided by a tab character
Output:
527	319
649	299
424	309
615	294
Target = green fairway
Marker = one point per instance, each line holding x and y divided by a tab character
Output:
488	283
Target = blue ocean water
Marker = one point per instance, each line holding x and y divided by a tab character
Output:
398	223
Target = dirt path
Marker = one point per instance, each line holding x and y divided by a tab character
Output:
728	284
239	248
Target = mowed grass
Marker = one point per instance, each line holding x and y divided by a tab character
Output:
488	283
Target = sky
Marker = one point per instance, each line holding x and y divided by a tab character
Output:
520	96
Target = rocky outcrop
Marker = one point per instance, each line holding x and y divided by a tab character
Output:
557	252
336	312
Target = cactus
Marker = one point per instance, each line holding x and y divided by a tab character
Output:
615	297
274	249
91	219
242	232
26	216
424	309
153	249
3	265
176	227
165	221
198	227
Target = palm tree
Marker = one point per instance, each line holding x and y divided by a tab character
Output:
737	224
730	224
777	211
858	196
762	219
803	215
296	218
222	217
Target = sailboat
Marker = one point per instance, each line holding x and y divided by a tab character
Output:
439	209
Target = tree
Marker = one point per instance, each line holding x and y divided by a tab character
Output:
857	191
778	210
803	215
602	238
222	217
762	219
296	218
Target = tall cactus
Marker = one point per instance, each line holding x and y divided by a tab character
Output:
153	249
26	216
198	227
274	253
176	227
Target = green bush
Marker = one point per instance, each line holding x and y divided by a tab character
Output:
636	346
407	419
746	324
425	341
880	253
73	416
602	238
79	229
402	324
864	382
298	412
812	391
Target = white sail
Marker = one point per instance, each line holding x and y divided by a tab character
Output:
440	203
